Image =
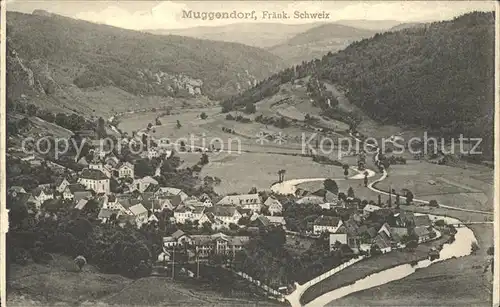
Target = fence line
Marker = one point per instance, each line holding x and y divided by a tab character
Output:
259	284
333	271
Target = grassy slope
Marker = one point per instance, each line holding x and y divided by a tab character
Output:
60	283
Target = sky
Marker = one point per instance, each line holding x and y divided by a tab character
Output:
139	15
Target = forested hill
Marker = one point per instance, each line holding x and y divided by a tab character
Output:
88	55
440	76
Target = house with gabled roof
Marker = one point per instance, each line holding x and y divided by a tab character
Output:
101	167
326	223
226	214
207	201
327	196
169	191
15	190
246	201
383	241
94	180
218	243
141	184
61	184
215	223
71	189
273	205
105	214
369	209
41	194
125	170
183	214
81	204
423	233
158	205
276	220
140	214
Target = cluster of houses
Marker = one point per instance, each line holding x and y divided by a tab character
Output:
202	246
358	231
362	236
143	198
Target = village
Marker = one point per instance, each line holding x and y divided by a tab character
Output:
205	226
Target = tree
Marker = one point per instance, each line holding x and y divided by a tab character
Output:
331	185
204	159
433	203
150	125
32	110
80	261
379	200
342	196
490	251
350	192
203	115
346	170
474	247
206	227
375	250
178	124
250	108
281	175
157	121
253	190
409	197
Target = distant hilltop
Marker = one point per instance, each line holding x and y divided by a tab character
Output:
42	13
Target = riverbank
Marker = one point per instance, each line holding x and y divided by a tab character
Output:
370	266
458	282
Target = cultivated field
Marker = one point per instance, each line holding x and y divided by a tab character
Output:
464	188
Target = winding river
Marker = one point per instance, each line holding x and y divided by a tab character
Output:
459	248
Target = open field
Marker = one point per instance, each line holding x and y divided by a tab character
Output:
452	186
458	282
369	266
59	283
259	170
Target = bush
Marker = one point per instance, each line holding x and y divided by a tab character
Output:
433	203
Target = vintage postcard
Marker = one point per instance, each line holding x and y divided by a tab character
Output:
249	153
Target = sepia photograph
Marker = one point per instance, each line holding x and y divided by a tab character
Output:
249	153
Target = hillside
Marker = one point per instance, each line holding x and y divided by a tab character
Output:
407	25
374	25
317	41
261	35
440	77
71	62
